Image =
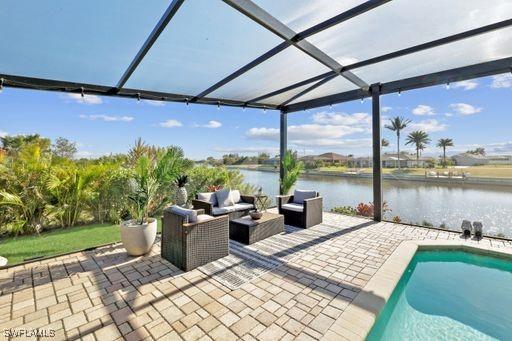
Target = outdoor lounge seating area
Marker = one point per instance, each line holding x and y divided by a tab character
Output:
224	201
292	285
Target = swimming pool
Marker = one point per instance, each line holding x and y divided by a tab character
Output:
447	295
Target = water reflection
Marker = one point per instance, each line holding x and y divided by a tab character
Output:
413	201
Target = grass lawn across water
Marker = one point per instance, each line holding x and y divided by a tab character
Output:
59	241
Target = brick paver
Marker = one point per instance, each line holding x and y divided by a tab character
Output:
105	295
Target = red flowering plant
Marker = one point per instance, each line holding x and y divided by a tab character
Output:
367	209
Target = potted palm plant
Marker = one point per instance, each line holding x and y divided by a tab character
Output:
152	176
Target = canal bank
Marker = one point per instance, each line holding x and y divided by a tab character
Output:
404	177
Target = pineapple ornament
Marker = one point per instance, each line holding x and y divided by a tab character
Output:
181	192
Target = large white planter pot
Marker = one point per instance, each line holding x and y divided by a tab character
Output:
138	239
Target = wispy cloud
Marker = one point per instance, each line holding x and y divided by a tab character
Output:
501	81
269	150
466	85
465	109
429	126
304	132
360	119
87	99
154	103
386	109
211	124
423	110
170	124
3	133
107	118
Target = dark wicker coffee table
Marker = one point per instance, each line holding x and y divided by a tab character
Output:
248	231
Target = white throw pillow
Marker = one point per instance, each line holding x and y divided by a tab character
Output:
235	196
189	215
224	197
209	197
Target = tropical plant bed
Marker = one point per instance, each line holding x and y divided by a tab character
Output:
60	241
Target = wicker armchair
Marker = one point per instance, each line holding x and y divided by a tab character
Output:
209	208
310	215
189	245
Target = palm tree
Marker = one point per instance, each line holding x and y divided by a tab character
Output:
443	143
292	168
420	139
397	124
385	143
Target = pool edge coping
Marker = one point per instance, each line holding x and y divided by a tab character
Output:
358	318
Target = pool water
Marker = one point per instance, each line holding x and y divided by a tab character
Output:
449	295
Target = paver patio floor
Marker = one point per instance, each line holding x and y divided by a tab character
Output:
103	294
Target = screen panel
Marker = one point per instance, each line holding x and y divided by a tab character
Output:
334	86
79	41
403	23
483	48
302	14
286	68
205	42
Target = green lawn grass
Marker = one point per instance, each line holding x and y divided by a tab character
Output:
59	241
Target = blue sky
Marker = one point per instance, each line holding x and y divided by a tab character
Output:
473	113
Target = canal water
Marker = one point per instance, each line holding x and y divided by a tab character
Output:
413	201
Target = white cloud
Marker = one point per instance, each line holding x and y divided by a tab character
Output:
502	81
386	109
87	99
304	132
465	109
269	150
423	110
466	85
342	119
211	124
340	143
154	103
429	126
500	147
3	133
170	124
107	118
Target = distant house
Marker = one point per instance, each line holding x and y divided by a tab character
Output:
3	152
274	161
362	162
390	160
499	159
467	159
407	160
326	158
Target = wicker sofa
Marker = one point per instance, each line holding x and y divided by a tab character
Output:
191	244
239	209
301	213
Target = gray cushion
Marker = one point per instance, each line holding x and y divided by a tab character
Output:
241	206
300	195
293	207
224	198
209	197
235	196
190	216
223	210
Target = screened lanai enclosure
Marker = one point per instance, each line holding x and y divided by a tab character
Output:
287	55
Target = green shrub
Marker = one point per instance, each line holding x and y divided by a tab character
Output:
347	210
